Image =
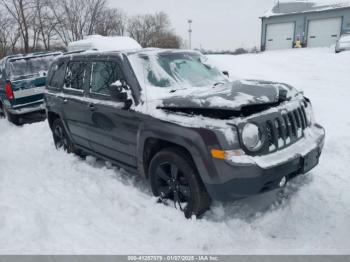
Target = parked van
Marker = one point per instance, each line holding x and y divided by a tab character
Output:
22	83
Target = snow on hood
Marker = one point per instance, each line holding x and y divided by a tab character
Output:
302	6
229	96
102	43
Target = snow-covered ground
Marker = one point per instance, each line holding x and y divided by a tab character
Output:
51	202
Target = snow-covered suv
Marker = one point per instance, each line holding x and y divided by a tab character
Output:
177	120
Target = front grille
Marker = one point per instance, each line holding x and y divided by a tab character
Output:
284	129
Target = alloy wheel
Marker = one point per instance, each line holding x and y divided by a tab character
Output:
173	185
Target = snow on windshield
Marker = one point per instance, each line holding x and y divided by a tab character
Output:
175	70
30	66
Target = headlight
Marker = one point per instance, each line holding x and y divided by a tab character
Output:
251	137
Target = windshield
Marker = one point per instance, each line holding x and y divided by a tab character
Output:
176	70
29	67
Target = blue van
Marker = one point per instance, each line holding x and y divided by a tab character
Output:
22	83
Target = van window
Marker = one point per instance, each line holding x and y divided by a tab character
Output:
75	75
103	75
22	68
57	75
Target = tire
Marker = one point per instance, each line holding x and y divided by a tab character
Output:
60	137
14	119
2	113
173	176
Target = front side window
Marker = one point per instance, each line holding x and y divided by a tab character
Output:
75	75
103	75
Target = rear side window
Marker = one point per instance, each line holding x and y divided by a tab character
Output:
75	75
103	75
57	75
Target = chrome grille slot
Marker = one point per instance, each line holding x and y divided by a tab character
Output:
283	129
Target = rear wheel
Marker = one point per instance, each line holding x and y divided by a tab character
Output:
11	117
174	179
60	137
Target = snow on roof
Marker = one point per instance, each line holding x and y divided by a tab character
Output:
102	43
285	7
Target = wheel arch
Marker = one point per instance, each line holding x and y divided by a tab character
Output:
189	140
51	117
154	145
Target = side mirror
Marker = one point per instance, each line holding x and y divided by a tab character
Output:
117	91
226	73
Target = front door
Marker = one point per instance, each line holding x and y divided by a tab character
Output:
75	106
113	129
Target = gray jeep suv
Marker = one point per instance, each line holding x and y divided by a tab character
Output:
177	120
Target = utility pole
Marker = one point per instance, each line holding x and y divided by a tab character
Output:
190	33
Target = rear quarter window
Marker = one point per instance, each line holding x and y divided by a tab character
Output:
75	76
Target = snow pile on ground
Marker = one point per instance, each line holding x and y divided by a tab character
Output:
51	202
104	43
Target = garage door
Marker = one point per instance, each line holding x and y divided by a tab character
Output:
279	36
323	32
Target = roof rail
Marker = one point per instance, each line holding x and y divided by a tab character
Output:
79	51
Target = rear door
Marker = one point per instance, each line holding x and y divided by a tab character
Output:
323	32
113	129
75	106
279	36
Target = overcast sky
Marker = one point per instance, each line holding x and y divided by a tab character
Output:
217	24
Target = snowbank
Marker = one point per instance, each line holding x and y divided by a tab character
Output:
51	202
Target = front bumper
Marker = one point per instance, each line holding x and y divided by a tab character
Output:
246	175
27	108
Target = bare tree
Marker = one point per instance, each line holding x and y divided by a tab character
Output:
112	22
45	23
22	12
42	24
9	34
153	31
76	18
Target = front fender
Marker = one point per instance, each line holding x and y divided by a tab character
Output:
197	141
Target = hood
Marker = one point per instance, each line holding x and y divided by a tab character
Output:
230	96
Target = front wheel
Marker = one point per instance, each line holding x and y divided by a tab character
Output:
60	137
174	178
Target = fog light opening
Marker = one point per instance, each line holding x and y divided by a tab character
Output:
283	182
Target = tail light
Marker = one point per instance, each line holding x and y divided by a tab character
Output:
9	91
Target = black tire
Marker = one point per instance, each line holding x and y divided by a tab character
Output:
60	137
14	119
2	113
173	176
